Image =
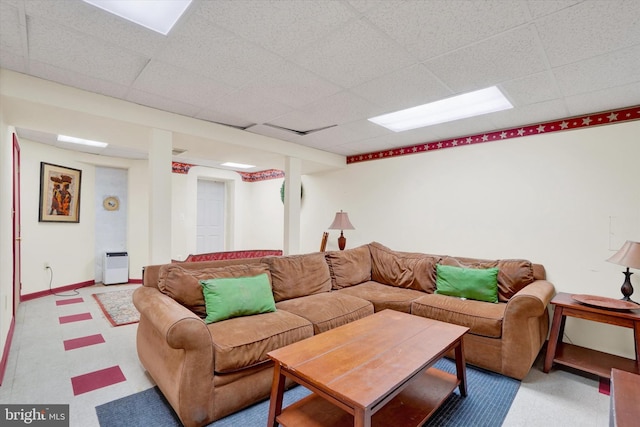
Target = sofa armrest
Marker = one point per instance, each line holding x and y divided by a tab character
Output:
525	327
175	347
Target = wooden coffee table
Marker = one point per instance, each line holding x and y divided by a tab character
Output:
375	371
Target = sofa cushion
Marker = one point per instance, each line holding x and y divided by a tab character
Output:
403	269
237	296
384	296
243	342
349	267
472	283
480	317
182	284
299	275
514	274
328	309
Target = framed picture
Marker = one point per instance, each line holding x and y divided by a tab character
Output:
59	193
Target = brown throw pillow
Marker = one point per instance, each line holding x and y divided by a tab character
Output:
349	267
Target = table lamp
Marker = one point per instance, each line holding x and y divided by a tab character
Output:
629	256
341	222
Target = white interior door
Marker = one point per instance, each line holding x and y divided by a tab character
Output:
210	221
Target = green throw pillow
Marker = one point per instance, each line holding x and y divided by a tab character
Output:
470	283
237	296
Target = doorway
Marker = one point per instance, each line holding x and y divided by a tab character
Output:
210	216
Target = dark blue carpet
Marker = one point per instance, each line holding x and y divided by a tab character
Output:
488	400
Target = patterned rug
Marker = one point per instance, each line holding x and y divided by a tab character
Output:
118	307
489	398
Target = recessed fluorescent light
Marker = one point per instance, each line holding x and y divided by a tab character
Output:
74	140
156	15
457	107
237	165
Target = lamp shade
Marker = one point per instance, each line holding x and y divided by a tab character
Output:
341	222
628	255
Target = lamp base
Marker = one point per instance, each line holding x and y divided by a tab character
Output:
627	288
342	241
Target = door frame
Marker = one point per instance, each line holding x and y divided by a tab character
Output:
17	236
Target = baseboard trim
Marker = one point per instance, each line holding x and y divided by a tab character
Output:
40	294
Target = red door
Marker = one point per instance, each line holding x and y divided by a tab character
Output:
17	284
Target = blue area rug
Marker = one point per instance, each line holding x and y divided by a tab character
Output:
488	400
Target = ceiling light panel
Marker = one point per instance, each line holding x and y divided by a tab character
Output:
237	165
81	141
157	15
458	107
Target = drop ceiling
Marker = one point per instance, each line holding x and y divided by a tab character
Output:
312	72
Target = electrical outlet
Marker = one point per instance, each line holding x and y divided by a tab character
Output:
46	265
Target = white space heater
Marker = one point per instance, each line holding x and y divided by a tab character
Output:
115	268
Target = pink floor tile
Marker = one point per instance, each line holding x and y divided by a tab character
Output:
83	341
69	301
75	318
98	379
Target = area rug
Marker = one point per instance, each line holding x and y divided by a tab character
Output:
118	307
488	400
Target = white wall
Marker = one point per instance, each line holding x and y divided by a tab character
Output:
548	198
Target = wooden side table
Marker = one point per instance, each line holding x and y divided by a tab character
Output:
581	358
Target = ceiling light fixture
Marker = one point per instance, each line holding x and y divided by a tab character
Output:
157	15
81	141
237	165
457	107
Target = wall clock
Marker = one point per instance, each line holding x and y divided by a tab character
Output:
111	203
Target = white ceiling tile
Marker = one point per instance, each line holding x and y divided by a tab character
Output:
69	49
343	107
12	62
620	67
588	29
224	119
368	5
504	57
177	83
276	133
10	31
291	85
252	107
76	79
97	23
601	100
161	103
282	26
405	88
218	54
431	28
527	114
353	55
541	8
531	89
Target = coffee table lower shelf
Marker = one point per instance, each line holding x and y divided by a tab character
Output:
411	407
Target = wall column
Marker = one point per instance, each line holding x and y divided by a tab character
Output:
160	147
292	185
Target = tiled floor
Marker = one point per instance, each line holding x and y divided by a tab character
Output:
88	362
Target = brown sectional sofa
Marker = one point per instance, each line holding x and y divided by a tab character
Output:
207	371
